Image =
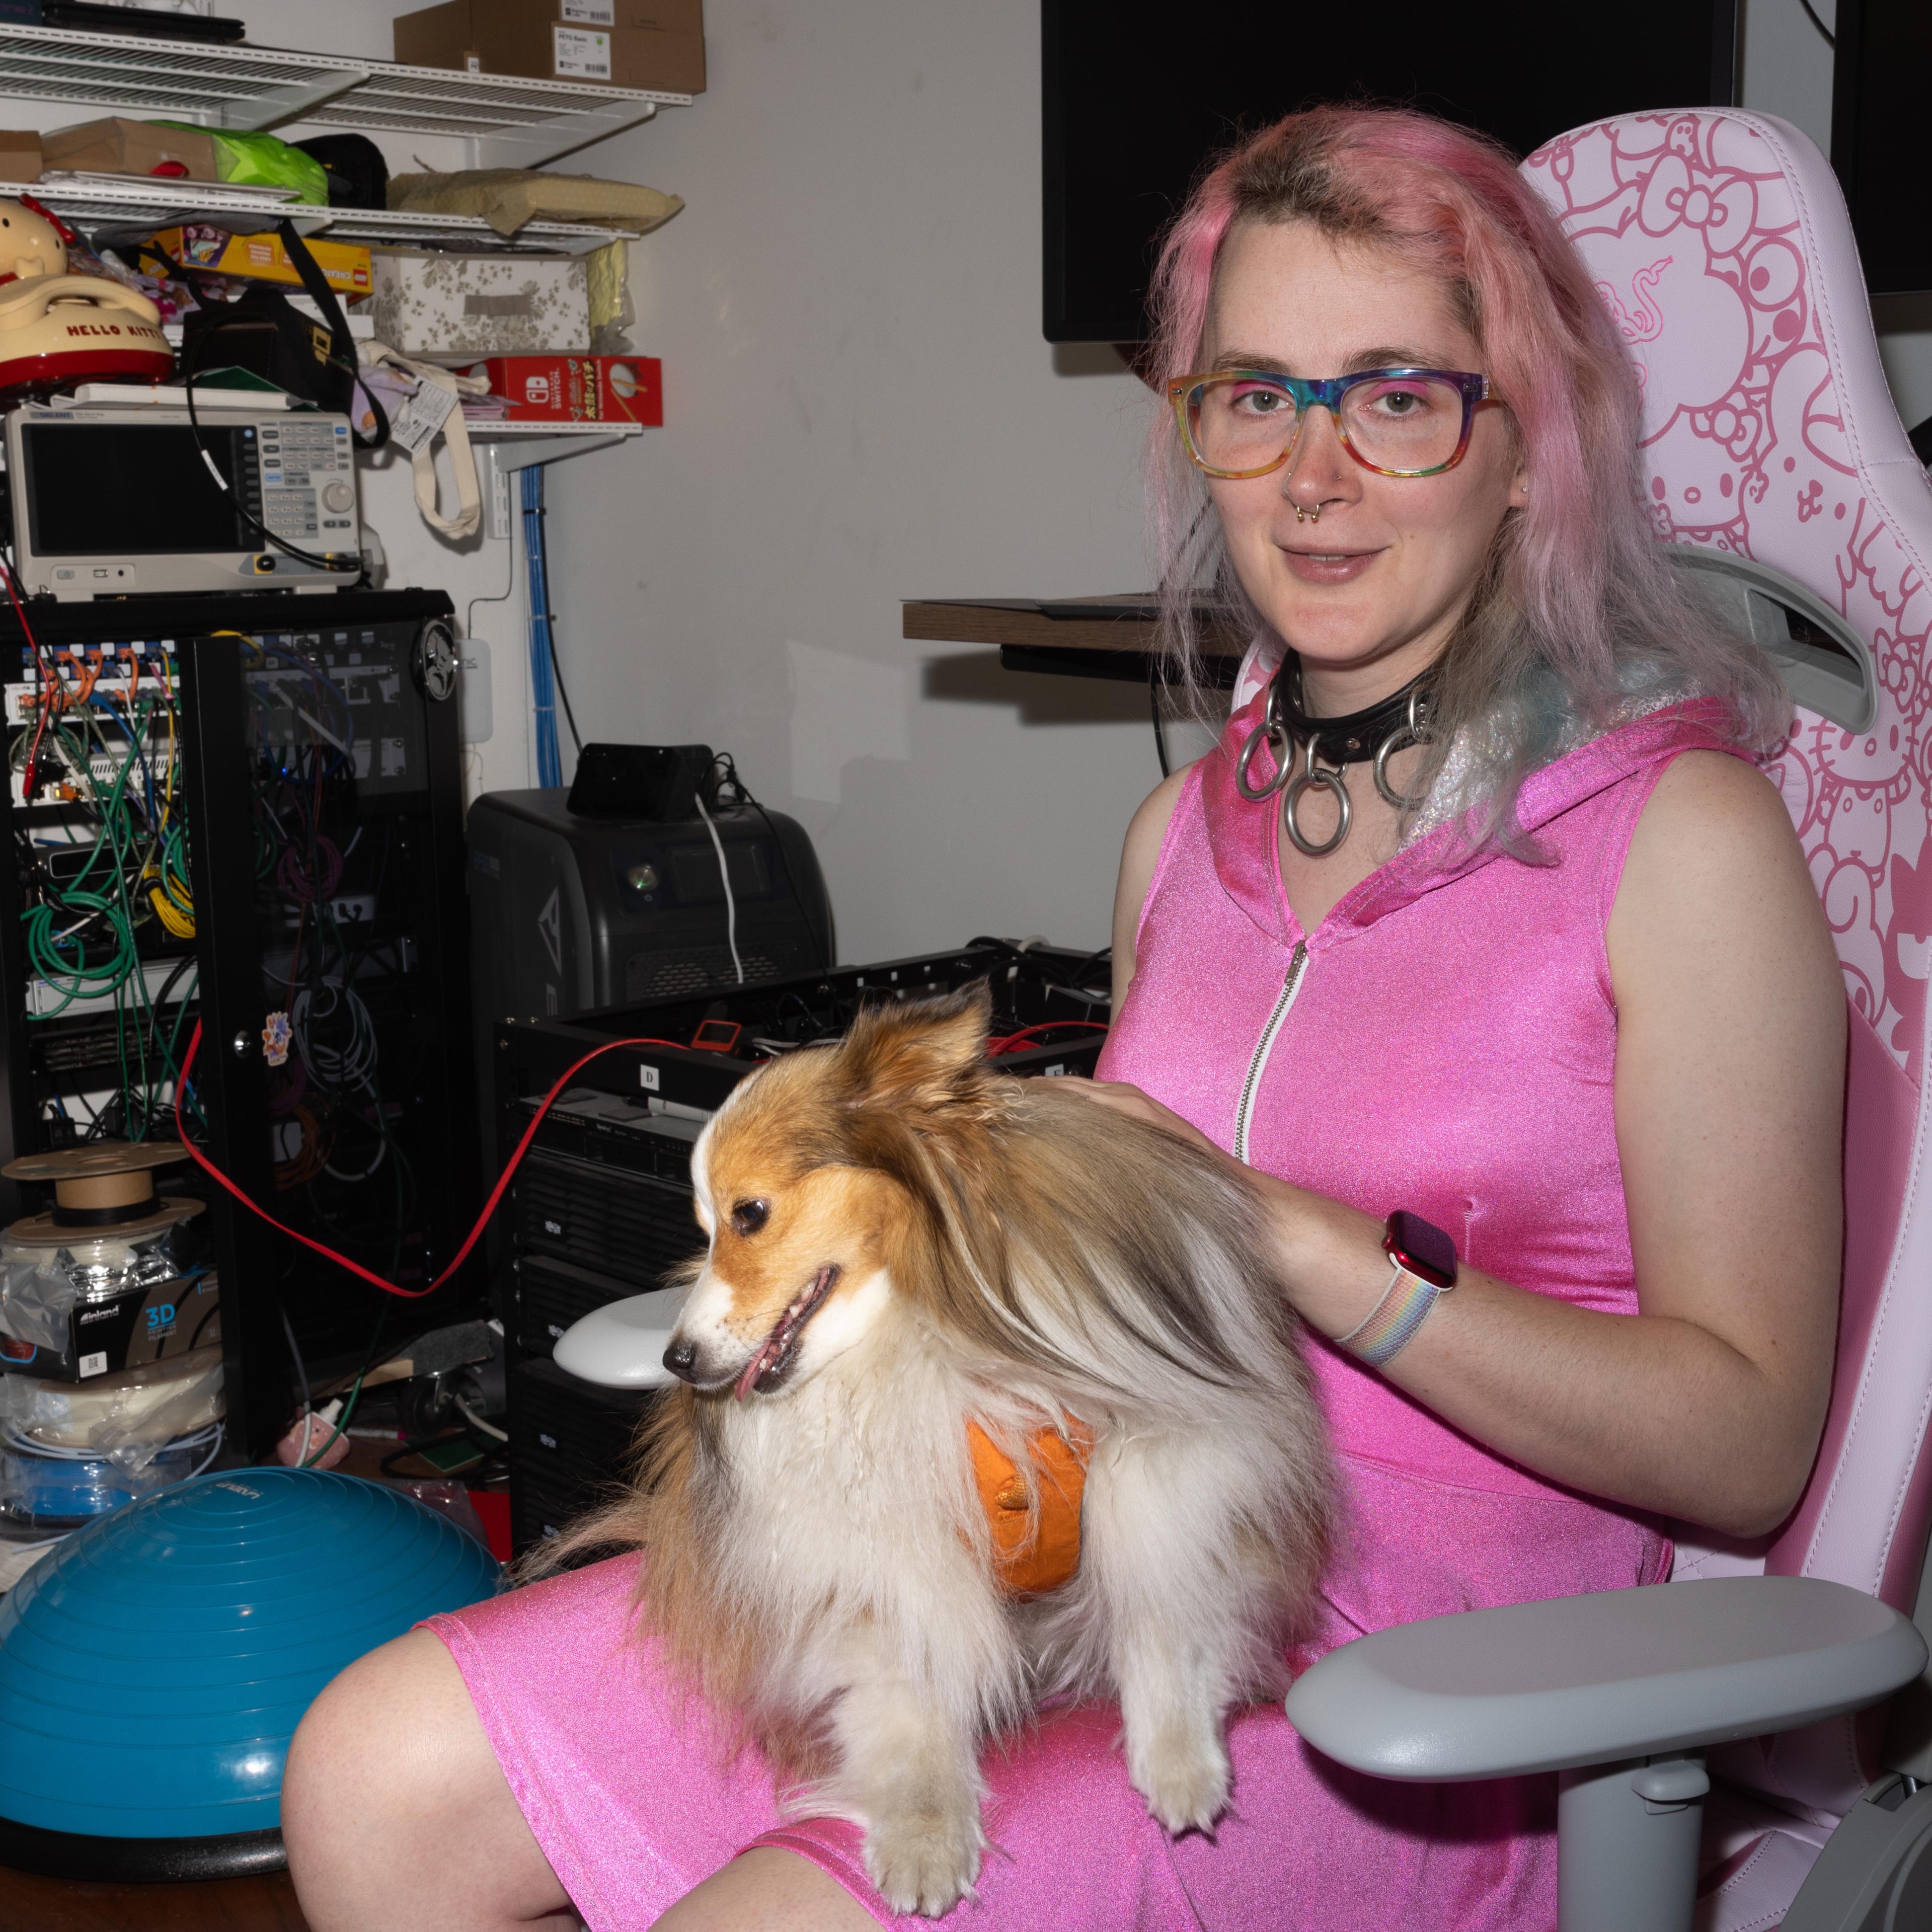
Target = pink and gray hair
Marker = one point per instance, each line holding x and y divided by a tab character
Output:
1578	615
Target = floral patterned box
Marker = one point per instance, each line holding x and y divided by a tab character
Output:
468	306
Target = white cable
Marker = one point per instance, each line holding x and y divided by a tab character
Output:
724	877
24	1445
207	1459
475	1421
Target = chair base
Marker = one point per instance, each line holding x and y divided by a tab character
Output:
1875	1873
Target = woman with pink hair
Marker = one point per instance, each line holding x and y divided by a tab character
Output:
1480	945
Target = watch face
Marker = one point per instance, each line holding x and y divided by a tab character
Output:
1421	1247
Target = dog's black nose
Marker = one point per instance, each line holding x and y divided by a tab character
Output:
681	1358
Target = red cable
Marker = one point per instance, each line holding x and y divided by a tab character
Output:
51	684
1007	1043
208	1167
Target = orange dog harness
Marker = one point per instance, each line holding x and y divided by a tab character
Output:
1036	1542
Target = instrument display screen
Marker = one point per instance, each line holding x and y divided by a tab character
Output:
134	489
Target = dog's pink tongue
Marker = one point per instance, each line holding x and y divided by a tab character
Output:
755	1368
780	1338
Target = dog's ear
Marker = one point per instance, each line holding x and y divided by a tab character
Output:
920	1055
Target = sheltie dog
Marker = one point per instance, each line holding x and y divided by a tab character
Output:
920	1267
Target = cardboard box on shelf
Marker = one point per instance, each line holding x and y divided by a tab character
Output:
261	258
650	44
448	307
578	388
19	155
119	146
629	57
663	16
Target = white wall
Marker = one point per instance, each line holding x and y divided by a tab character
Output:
861	409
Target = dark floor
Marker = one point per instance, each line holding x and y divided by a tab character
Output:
263	1904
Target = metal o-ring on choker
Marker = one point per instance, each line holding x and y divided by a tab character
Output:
1372	735
1313	777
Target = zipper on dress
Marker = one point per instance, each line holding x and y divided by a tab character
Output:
1297	966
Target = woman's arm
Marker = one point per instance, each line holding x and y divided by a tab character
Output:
1707	1405
1139	857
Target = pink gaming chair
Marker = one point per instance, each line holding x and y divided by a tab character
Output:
1772	450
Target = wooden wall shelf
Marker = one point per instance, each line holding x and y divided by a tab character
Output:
1081	636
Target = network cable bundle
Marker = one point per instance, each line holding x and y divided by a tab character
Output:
237	825
606	1106
107	924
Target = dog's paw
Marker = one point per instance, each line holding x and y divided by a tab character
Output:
1182	1771
924	1859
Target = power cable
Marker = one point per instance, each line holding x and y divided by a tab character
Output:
743	792
725	879
490	1207
556	674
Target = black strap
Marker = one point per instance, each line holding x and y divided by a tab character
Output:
1355	738
342	345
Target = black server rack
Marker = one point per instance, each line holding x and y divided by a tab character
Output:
601	1208
289	874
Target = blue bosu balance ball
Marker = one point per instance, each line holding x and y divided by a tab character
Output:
153	1667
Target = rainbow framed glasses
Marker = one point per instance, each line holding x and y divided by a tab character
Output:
1398	422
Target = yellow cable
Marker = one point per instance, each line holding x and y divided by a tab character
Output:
179	924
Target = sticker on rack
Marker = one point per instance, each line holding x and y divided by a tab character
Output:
275	1039
413	426
580	55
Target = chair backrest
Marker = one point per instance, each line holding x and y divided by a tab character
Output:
1719	241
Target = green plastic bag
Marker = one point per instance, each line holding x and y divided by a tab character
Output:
250	160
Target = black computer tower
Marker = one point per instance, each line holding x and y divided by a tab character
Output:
573	913
292	794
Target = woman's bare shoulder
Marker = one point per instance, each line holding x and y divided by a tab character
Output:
1712	813
1146	832
1715	873
1155	813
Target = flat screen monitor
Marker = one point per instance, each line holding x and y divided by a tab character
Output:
1139	95
1879	145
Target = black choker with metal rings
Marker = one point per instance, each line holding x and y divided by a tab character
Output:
1296	742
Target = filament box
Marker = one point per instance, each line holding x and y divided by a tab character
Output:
148	1323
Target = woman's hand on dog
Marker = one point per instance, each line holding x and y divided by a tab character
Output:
1328	1256
1125	1098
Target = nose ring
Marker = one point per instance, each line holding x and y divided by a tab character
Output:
1303	514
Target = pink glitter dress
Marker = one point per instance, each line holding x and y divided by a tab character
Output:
1449	1047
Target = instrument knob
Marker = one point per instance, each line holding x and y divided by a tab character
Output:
339	496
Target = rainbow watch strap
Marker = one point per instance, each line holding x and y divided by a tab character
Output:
1392	1323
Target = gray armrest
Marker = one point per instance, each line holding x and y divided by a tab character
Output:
1591	1680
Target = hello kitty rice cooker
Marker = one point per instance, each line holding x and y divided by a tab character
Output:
58	329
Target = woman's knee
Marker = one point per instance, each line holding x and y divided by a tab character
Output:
393	1720
390	1790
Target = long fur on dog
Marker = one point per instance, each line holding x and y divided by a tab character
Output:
903	1238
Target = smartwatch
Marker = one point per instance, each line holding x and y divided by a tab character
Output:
1423	1258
